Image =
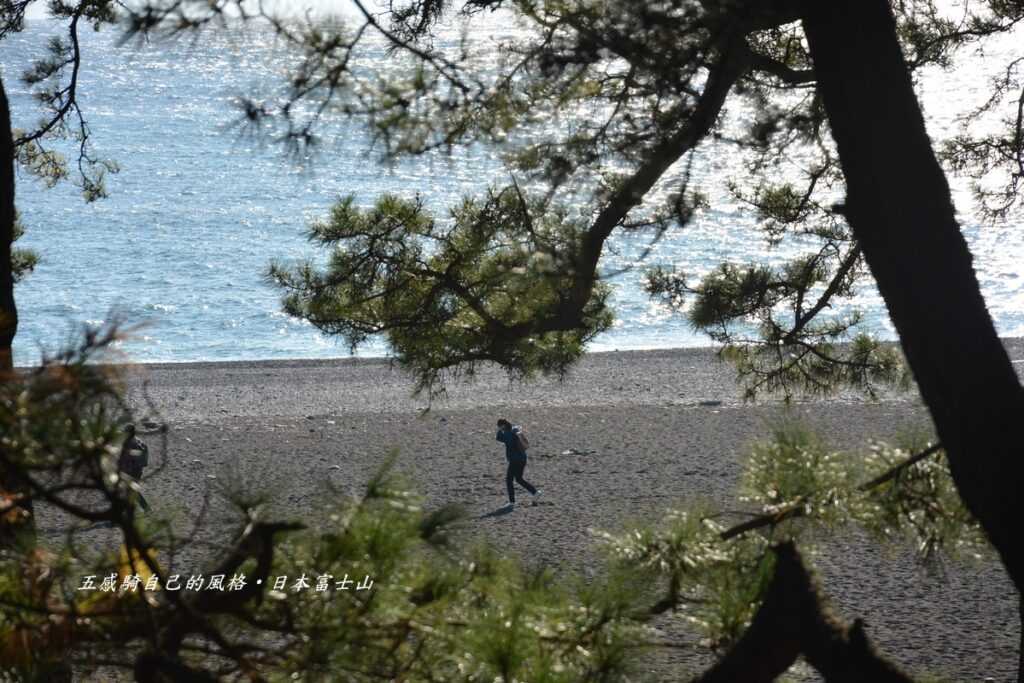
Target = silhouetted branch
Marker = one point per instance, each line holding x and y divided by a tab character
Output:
794	620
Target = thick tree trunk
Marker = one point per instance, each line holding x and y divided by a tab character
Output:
899	206
19	519
8	311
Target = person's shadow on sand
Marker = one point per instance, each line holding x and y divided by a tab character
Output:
500	512
506	510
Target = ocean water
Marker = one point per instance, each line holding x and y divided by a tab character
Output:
198	210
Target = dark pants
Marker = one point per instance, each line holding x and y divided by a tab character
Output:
515	472
134	492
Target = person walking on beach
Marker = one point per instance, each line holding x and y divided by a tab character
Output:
515	452
134	458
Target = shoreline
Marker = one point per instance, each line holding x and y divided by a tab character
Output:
1014	345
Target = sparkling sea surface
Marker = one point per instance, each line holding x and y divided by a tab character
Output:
198	210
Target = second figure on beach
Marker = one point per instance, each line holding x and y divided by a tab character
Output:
515	452
132	461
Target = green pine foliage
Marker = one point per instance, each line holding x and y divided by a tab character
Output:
714	584
920	505
436	612
794	474
796	479
489	284
23	261
786	327
59	146
794	484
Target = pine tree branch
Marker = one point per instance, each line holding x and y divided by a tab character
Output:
67	97
895	471
847	265
783	72
796	508
732	64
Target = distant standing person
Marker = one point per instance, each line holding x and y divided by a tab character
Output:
515	452
134	458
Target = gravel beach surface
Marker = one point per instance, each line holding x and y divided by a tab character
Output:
623	437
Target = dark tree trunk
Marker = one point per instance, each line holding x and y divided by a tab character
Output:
20	518
8	311
899	206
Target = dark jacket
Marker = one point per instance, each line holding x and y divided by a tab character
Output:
513	449
134	457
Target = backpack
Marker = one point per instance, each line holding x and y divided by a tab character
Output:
524	443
